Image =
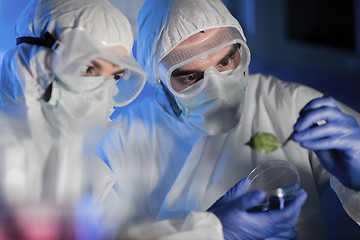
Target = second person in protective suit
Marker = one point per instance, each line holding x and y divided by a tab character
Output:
73	62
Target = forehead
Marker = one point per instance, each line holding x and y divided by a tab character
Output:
200	46
211	60
103	60
121	49
198	39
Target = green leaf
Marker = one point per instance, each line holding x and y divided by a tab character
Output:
264	142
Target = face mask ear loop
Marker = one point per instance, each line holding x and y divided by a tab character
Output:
171	100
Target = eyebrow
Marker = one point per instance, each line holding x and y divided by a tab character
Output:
230	53
96	64
178	72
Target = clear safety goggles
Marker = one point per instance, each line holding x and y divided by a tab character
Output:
79	58
224	43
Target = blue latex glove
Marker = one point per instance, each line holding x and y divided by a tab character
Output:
336	143
240	224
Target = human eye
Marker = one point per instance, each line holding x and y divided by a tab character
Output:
118	75
230	59
226	61
191	78
88	70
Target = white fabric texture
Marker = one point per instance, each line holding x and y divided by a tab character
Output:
164	169
217	108
171	23
197	225
41	156
27	69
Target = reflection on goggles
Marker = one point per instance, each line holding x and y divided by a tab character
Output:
101	67
97	72
221	48
224	59
82	64
126	75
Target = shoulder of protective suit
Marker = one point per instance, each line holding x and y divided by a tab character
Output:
272	84
279	94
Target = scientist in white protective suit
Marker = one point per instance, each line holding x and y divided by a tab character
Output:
73	62
181	153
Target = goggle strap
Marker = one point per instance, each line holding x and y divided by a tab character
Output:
47	41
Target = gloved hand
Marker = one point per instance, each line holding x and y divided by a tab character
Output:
336	143
240	224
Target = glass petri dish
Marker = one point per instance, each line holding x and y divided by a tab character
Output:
280	181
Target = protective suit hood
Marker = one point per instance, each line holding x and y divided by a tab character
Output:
53	162
165	24
26	69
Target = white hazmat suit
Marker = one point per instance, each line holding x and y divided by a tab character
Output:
47	142
164	168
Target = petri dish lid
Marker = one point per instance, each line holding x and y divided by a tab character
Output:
274	177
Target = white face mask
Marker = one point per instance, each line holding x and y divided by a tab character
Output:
217	108
94	100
